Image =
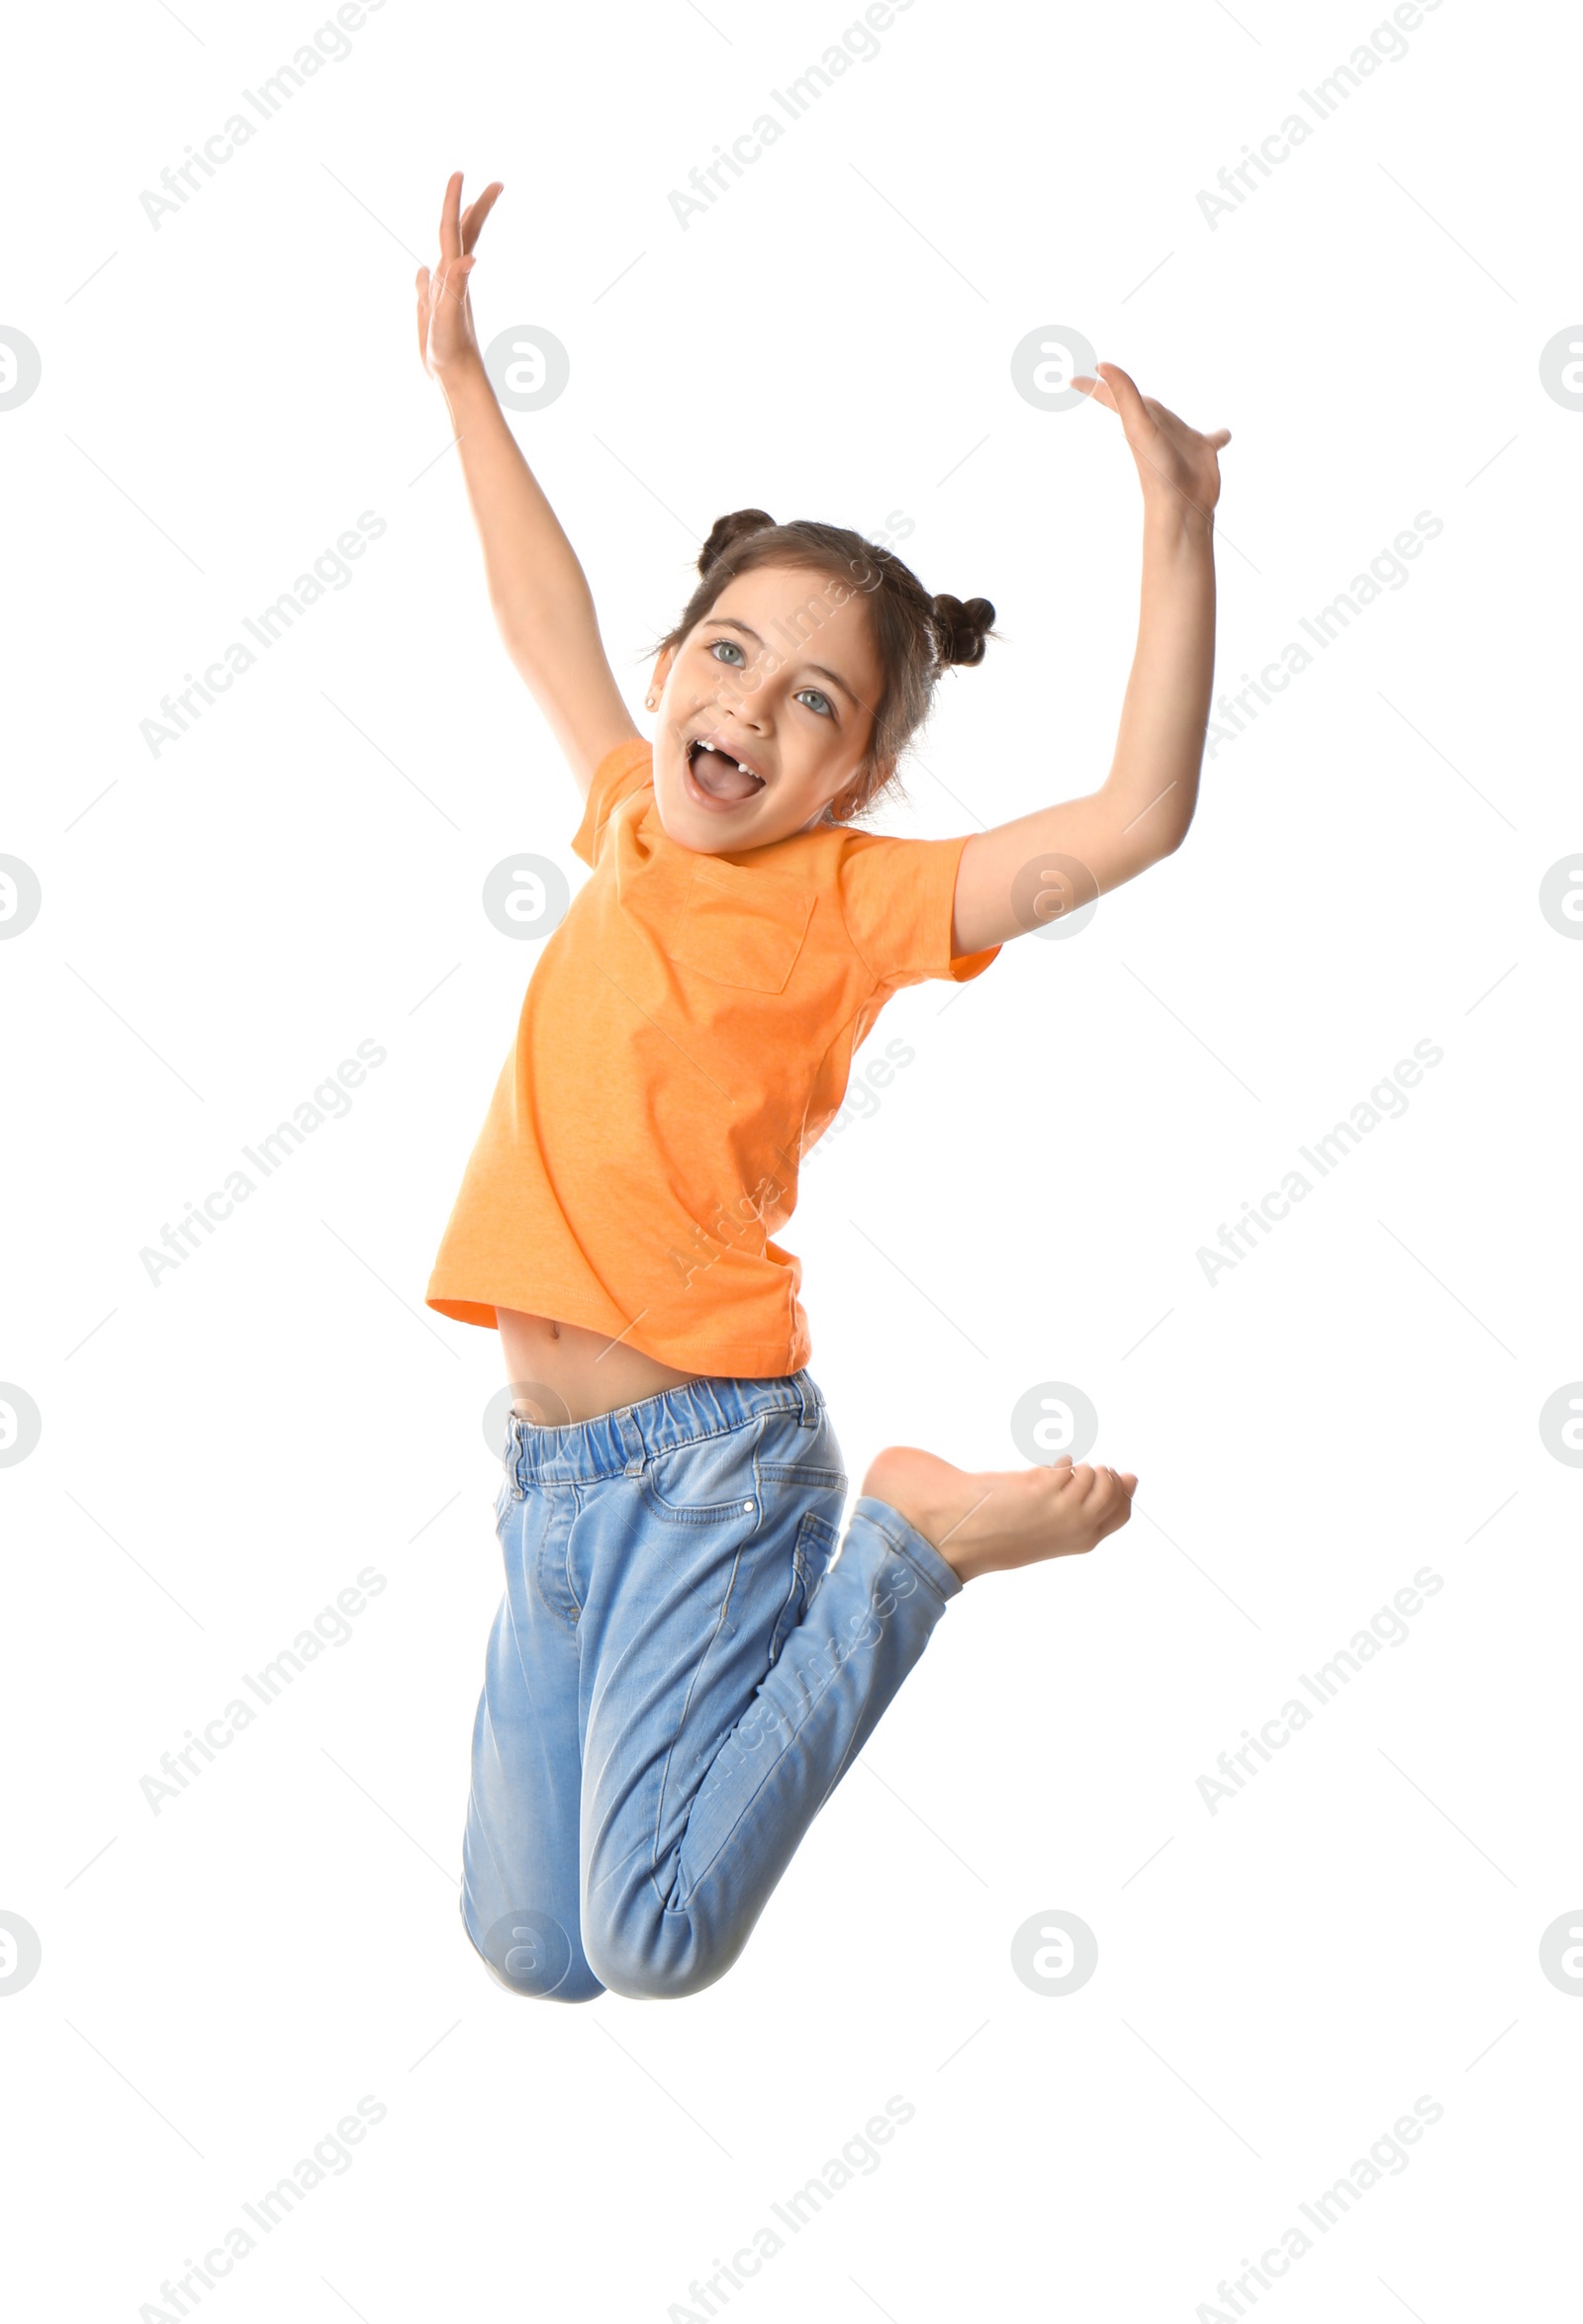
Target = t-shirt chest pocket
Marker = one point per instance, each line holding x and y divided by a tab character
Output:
742	927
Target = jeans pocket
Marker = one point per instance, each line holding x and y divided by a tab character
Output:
706	1480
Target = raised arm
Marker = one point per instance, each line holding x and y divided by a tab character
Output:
1143	808
539	590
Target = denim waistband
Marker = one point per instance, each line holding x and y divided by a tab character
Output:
620	1441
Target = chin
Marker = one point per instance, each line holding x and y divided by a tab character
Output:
690	827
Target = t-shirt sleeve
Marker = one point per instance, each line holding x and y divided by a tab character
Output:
627	767
896	898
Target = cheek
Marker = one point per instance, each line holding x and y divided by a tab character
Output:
823	744
826	765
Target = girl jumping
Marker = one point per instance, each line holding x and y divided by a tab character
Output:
682	1670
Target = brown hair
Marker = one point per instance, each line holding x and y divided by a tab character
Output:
915	635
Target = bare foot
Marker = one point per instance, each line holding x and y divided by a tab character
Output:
995	1518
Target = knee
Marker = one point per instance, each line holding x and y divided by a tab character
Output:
573	1988
578	1985
532	1955
654	1981
655	1970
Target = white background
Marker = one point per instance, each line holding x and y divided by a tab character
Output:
1357	1399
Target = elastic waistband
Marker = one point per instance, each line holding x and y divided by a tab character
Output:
620	1441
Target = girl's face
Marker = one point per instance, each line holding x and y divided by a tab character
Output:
767	712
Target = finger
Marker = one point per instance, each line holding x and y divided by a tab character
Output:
476	212
1118	1517
423	311
472	218
1222	435
1129	399
1107	1493
1095	389
450	242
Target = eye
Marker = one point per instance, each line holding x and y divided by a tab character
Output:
730	646
817	702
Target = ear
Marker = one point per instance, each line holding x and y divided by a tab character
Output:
660	671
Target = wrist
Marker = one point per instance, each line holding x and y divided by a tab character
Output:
1172	522
463	379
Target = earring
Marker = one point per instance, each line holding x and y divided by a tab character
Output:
649	701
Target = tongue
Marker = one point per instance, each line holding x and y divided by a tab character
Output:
722	776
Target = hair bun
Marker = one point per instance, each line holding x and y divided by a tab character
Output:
726	531
963	628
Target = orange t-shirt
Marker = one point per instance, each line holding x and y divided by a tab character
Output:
686	1034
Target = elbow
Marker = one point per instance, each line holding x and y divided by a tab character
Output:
1162	844
1177	828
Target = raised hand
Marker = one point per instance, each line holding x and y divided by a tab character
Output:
447	338
1174	460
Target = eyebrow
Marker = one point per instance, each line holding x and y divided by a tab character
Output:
729	621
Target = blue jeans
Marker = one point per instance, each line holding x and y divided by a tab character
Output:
675	1682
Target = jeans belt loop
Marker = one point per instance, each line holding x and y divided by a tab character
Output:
629	1435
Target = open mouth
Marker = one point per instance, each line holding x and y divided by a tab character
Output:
716	778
